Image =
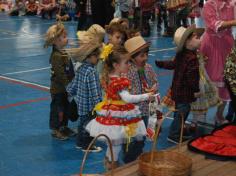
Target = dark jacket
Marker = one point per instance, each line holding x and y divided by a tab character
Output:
102	10
186	76
61	73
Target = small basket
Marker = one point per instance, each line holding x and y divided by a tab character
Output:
86	154
165	163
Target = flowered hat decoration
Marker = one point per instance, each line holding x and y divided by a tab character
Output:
106	51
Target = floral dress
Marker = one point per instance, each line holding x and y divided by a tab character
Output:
119	120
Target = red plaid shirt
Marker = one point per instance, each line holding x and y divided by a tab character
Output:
186	76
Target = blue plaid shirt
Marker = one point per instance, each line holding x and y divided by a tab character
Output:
85	88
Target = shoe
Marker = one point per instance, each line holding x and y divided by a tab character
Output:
175	140
219	120
67	131
93	149
59	135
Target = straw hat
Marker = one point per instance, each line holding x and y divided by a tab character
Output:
85	49
135	44
180	36
53	33
62	1
95	32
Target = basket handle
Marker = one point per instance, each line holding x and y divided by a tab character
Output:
157	130
87	151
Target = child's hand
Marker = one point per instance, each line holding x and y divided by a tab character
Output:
152	96
153	89
197	94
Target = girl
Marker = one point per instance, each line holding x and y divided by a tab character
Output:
117	116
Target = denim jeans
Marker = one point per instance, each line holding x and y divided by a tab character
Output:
183	110
83	137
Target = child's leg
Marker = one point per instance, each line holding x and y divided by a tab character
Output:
183	110
108	161
116	151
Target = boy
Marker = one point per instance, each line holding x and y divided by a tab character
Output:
86	90
60	77
185	84
143	80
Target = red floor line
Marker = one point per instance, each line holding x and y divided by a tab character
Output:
24	102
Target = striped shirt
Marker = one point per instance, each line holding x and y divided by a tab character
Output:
85	88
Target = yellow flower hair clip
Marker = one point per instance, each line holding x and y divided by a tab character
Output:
107	49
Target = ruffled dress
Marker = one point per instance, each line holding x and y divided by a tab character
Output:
119	120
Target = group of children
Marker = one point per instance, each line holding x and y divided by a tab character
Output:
112	85
62	10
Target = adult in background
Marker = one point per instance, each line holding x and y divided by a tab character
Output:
94	12
217	43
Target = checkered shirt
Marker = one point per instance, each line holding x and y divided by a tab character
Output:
85	88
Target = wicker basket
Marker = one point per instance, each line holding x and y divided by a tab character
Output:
165	163
86	154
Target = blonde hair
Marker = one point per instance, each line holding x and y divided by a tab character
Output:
53	33
114	57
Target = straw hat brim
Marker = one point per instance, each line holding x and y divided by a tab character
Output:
81	53
184	37
147	44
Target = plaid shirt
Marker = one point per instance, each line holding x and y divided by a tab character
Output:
186	76
136	85
85	88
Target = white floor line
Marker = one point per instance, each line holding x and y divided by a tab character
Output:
165	49
26	71
24	82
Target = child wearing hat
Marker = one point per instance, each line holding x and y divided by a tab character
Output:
117	115
143	80
86	89
61	75
185	83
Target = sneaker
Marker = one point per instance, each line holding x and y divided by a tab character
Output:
175	140
94	149
67	131
59	135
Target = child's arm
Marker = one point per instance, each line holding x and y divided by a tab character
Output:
170	65
72	87
193	74
127	97
94	87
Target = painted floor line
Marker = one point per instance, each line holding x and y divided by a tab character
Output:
26	71
25	83
24	102
165	49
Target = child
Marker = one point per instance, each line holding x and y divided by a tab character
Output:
31	7
18	9
47	8
63	12
185	84
116	37
57	38
230	77
86	89
143	80
117	116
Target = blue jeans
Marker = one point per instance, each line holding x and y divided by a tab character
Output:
83	137
183	110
